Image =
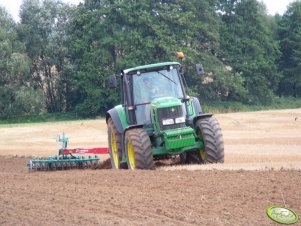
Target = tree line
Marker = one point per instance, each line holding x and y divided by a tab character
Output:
58	56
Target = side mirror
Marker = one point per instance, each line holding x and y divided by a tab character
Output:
112	81
199	69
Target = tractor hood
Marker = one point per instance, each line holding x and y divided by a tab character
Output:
164	102
167	114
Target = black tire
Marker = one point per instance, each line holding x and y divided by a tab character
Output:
209	130
115	149
138	149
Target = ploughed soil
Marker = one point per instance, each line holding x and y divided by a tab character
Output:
262	168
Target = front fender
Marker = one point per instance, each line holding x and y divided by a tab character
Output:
132	127
201	116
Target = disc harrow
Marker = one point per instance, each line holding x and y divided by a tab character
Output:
66	159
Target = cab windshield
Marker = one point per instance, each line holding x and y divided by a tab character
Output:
150	85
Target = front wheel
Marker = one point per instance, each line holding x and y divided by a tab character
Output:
138	149
208	130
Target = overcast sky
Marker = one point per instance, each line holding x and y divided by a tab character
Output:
13	6
273	6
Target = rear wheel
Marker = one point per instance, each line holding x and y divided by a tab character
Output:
138	149
209	130
115	149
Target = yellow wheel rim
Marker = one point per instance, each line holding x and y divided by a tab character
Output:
114	150
203	154
131	155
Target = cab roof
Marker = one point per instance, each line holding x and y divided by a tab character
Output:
150	66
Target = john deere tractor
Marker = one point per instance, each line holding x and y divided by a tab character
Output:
157	119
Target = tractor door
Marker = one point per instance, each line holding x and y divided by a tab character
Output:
127	100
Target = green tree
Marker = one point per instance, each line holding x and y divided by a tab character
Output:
43	29
16	97
247	45
108	36
290	42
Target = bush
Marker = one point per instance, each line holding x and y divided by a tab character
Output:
29	101
19	102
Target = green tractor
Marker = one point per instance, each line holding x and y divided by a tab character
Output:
158	120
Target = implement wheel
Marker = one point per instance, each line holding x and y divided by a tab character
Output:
138	149
115	149
208	129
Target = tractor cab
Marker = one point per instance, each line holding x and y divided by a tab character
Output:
148	86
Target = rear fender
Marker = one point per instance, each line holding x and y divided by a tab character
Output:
113	114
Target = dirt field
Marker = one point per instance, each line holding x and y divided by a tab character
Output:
262	168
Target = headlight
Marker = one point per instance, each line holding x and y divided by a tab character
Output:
166	122
180	120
